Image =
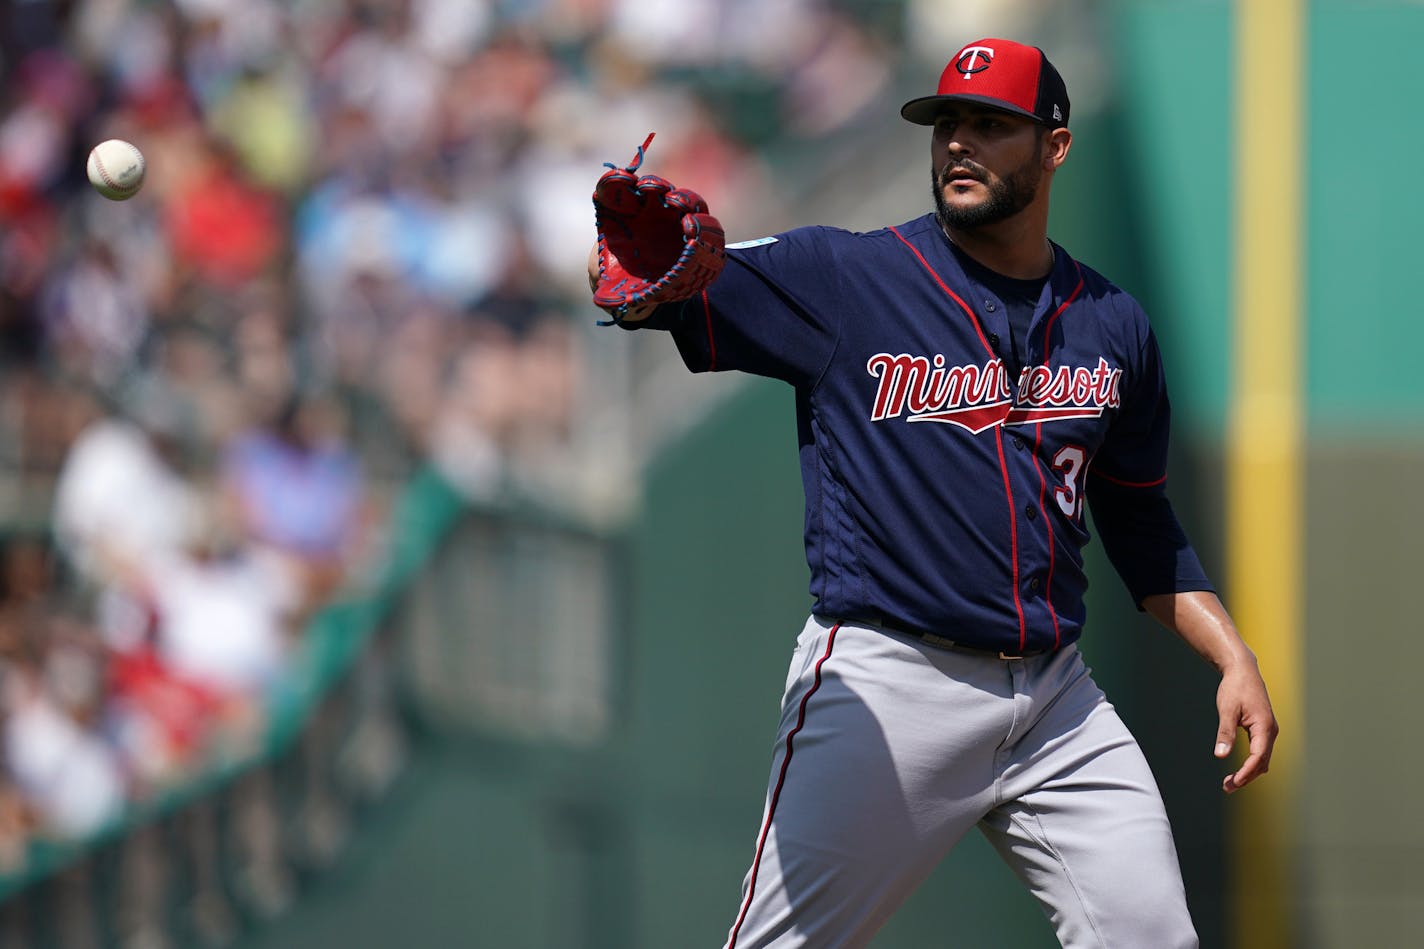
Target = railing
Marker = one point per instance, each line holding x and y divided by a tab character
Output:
509	633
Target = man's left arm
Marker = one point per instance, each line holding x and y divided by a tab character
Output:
1126	489
1241	700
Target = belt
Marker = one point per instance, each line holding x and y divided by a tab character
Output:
944	642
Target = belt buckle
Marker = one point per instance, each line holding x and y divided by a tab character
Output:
1004	655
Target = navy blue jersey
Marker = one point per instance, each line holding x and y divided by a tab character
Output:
945	492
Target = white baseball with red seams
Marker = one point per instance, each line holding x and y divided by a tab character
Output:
116	169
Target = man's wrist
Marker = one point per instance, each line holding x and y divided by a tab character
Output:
1238	657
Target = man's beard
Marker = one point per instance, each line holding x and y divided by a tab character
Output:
1007	197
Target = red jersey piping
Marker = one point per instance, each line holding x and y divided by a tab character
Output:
1130	484
711	341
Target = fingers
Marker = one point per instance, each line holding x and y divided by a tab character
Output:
1257	763
1242	702
1225	736
1261	733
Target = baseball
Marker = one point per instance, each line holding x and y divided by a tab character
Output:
116	169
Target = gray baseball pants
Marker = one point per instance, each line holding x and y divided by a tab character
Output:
890	750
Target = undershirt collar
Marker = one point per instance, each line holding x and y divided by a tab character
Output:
1020	299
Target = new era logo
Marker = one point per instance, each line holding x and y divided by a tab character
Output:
1057	113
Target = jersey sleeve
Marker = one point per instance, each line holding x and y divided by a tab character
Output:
1127	491
775	310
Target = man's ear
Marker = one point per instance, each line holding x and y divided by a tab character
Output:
1057	142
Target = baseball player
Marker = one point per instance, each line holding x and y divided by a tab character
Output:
963	386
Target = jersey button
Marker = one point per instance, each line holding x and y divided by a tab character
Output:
994	340
990	305
1018	443
1031	512
1033	584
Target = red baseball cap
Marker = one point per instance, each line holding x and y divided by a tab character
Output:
998	73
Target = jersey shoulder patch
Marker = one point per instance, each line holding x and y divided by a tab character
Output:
759	242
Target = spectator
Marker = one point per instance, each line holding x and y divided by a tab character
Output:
294	489
94	318
66	774
120	493
221	226
223	622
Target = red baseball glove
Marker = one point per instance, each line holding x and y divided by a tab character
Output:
656	243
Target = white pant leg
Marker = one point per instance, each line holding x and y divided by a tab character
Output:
1082	822
885	757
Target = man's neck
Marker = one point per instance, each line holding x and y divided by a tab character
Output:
1017	248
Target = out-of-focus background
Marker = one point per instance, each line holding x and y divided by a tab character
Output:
357	590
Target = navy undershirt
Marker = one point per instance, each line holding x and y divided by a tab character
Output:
1020	299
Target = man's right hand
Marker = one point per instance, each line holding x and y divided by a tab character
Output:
656	243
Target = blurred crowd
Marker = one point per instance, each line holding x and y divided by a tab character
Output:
358	251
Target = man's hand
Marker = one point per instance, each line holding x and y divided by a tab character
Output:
656	243
1241	699
1241	702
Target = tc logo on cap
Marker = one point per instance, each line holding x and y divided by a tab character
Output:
1022	82
968	61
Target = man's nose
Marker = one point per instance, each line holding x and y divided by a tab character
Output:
959	145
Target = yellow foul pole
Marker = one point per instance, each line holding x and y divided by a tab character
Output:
1264	478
